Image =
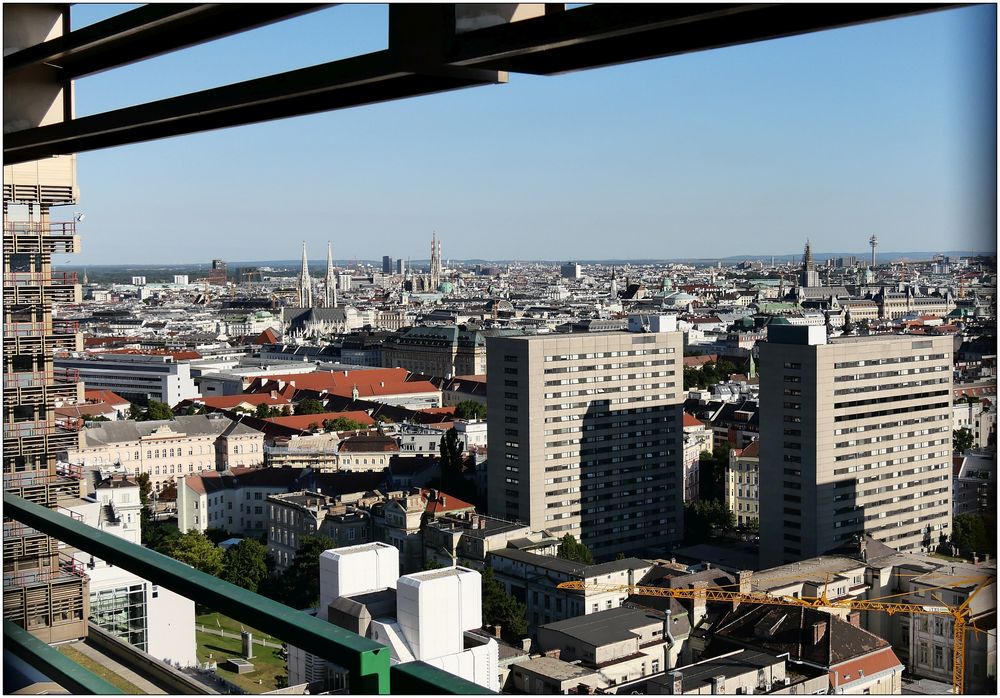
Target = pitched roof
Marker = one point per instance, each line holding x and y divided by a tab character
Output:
107	396
752	450
225	402
691	421
368	443
268	336
305	421
443	503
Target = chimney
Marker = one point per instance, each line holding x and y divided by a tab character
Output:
819	630
699	610
442	500
719	684
745	578
496	631
854	618
676	685
553	654
708	565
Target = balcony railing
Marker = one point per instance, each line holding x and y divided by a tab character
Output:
27	278
30	329
37	228
366	661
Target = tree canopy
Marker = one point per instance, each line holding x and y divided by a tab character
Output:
158	410
301	579
342	424
245	564
570	549
310	406
500	608
709	374
704	518
470	409
962	440
974	533
195	549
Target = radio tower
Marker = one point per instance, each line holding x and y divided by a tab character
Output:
873	241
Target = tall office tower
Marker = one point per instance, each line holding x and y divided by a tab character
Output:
330	282
43	591
855	438
808	277
401	266
585	434
305	282
388	263
570	270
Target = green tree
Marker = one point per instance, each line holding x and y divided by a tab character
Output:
158	410
310	406
263	411
962	440
470	409
195	549
161	537
974	533
570	549
500	608
145	511
452	480
245	564
135	412
342	424
98	418
301	580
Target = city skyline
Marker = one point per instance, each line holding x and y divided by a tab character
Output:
884	127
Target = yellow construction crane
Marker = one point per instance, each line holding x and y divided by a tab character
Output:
960	614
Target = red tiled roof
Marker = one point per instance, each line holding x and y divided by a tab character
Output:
871	664
303	421
90	409
268	336
691	421
438	410
699	361
368	443
435	507
752	450
104	396
370	383
224	402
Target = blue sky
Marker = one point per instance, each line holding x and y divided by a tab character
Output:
886	127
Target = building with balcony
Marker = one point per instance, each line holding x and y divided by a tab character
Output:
42	592
743	484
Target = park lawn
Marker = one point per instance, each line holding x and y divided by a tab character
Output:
214	620
267	664
102	671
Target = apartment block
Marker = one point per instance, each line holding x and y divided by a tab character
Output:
855	439
743	484
585	434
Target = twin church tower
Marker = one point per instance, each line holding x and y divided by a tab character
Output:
329	299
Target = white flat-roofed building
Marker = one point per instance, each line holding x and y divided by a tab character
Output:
136	377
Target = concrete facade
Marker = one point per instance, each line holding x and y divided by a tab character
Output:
585	436
855	438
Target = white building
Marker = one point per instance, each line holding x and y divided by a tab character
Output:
136	377
425	616
152	618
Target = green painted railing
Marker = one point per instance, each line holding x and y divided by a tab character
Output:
366	660
61	669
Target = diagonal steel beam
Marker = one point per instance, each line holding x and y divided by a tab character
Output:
146	32
366	79
608	34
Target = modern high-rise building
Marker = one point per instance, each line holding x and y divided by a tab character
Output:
43	590
585	434
387	264
218	275
855	438
570	270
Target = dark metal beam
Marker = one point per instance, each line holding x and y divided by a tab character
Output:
609	34
367	79
146	32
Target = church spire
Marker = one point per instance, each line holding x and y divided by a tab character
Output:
305	283
330	289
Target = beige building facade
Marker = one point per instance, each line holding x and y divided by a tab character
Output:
585	436
166	450
855	438
743	484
